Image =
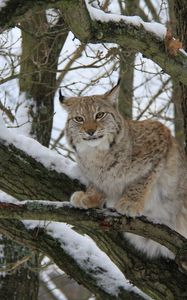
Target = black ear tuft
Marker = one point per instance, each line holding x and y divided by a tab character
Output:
61	97
119	80
113	94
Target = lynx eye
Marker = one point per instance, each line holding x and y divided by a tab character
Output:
79	119
100	115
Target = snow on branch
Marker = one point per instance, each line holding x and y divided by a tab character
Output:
49	159
87	255
132	32
92	27
67	250
158	29
63	245
31	171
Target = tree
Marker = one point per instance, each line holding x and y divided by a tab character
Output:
35	173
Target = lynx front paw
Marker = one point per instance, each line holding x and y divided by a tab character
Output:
129	207
89	199
79	199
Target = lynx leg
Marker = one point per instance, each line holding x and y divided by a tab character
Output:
133	202
130	207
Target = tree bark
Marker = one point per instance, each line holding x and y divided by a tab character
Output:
96	219
127	58
176	89
178	115
180	8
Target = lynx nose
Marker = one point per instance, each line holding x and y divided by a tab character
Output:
90	131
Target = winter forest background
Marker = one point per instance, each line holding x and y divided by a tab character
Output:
78	47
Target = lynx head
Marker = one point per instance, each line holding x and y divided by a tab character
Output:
92	120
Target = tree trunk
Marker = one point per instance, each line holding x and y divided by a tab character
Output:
178	115
127	57
41	45
180	8
176	89
22	282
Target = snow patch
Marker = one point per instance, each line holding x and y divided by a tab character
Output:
5	198
23	114
158	29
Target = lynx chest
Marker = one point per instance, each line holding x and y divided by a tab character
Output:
105	169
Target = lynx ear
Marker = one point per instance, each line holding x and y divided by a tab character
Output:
113	94
63	101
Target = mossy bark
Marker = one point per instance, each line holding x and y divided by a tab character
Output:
25	178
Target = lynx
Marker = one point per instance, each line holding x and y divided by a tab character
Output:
135	167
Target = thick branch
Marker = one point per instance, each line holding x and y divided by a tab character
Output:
131	36
104	228
126	35
96	219
25	178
